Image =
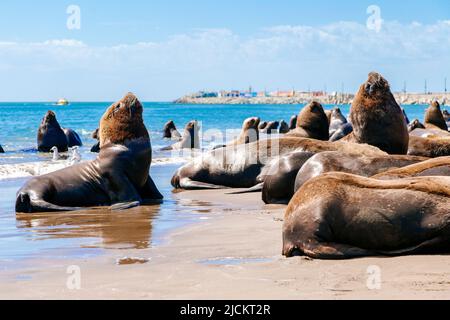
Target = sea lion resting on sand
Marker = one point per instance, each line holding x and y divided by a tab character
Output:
280	187
432	167
376	117
434	118
242	166
170	131
50	134
120	174
340	216
429	147
190	139
312	123
360	165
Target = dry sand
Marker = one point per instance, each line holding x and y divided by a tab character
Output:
235	254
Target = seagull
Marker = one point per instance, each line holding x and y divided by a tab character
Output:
76	156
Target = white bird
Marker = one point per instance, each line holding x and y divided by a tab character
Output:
55	153
76	156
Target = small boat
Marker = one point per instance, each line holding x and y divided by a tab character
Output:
62	102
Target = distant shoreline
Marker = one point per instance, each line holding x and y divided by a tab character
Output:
402	98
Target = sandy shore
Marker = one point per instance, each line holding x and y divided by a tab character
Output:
233	254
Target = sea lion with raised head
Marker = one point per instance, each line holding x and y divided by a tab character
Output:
337	120
434	118
376	117
241	166
271	127
50	134
415	124
118	177
312	123
284	127
170	131
360	165
432	167
293	122
190	139
341	216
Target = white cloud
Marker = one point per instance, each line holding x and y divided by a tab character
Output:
219	57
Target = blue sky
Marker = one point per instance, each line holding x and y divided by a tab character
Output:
163	49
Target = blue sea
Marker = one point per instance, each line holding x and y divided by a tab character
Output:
41	236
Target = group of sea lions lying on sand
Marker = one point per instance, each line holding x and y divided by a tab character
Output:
372	185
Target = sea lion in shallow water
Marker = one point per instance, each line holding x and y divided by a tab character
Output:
312	123
50	134
120	173
190	139
73	139
432	167
376	117
241	166
341	216
434	118
360	165
170	131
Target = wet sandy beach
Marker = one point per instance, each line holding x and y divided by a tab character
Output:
233	251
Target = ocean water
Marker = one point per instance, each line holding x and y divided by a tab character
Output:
85	234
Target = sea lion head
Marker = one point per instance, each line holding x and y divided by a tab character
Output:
168	128
251	123
313	119
123	123
433	116
50	120
262	125
415	124
375	85
293	122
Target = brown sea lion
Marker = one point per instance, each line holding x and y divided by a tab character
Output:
271	127
170	131
340	216
434	118
376	117
190	139
312	123
432	167
293	122
361	165
50	134
429	147
284	127
241	166
119	176
415	124
262	125
73	139
96	147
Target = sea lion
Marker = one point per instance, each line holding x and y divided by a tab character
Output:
119	176
434	118
312	123
293	122
170	131
241	166
262	126
430	133
340	216
376	117
429	147
284	127
361	165
96	147
337	120
190	139
271	127
415	124
50	134
73	139
432	167
342	132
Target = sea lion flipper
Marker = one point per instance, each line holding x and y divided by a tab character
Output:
125	205
187	184
150	193
256	188
333	251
